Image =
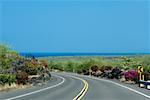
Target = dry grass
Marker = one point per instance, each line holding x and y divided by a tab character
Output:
7	87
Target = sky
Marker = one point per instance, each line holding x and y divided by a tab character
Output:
109	26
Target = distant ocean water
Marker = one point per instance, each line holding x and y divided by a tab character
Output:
43	54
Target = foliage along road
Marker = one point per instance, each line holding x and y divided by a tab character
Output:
67	86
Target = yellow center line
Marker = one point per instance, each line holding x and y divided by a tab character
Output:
83	91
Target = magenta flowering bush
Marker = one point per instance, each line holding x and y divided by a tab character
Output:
131	75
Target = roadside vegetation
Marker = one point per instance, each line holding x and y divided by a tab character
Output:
15	69
121	67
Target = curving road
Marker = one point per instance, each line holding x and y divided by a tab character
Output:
100	89
67	86
59	88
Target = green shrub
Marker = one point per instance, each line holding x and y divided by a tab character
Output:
7	79
32	71
83	64
69	66
57	66
30	68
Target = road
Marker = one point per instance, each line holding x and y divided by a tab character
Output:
67	86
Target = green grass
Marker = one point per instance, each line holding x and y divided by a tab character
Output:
80	63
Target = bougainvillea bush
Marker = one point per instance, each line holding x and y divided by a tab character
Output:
131	75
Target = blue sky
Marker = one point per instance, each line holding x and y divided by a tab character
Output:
76	26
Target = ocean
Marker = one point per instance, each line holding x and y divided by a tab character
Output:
44	54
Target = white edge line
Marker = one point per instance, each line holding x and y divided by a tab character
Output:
147	96
140	93
19	96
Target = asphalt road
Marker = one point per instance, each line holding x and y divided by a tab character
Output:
67	86
105	90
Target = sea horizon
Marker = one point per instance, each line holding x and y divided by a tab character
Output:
49	54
